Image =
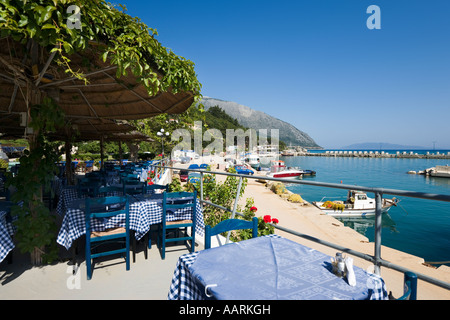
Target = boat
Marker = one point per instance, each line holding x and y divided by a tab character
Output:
440	171
288	153
279	170
357	204
253	160
267	153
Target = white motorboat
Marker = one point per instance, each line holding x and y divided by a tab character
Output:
279	170
357	204
253	160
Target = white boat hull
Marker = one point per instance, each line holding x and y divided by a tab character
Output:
350	212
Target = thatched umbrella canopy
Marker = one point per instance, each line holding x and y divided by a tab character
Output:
63	62
103	64
104	96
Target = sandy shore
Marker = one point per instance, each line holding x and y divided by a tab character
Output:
309	220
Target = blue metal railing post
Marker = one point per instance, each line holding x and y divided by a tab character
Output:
201	189
378	216
233	213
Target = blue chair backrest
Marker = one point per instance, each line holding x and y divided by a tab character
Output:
410	287
106	207
134	188
179	200
111	190
154	187
228	225
88	188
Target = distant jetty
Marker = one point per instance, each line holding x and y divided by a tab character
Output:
438	171
379	154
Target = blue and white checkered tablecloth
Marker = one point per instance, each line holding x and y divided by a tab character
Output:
67	194
70	193
264	268
144	212
183	286
6	232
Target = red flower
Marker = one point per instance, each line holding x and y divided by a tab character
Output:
253	209
275	220
267	219
150	182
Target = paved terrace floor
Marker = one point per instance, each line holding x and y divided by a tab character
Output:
147	279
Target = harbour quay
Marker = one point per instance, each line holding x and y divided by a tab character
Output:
379	154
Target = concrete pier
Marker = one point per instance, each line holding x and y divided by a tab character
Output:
379	154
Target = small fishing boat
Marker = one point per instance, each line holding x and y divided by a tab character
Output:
357	204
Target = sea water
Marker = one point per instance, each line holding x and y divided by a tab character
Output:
416	226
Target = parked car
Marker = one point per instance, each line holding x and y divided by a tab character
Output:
243	170
204	166
193	166
184	175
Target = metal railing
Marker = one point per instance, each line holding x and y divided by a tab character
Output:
379	192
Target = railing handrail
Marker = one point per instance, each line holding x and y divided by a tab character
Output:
376	258
396	192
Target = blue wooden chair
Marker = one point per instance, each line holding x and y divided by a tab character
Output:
154	187
100	208
129	178
228	225
88	188
410	287
151	189
171	202
110	191
131	189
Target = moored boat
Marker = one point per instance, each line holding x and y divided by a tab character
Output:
279	170
357	204
253	160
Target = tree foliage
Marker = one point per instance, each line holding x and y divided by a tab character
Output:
127	42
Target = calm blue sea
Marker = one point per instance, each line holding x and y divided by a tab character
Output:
416	226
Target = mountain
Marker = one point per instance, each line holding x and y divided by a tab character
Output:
259	120
380	146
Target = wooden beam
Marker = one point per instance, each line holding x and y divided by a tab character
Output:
47	64
75	78
137	95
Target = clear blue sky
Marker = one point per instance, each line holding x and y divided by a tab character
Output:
316	65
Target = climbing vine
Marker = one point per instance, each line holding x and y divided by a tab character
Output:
36	228
127	42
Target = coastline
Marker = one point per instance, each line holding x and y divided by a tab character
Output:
309	220
376	154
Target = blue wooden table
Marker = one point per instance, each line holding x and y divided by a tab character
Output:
267	268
